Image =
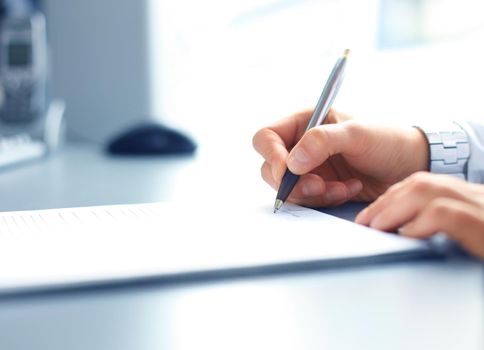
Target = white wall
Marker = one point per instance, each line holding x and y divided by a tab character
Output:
243	64
100	63
229	67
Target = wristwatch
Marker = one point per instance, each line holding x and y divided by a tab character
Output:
449	149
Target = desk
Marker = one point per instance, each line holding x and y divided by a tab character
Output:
407	305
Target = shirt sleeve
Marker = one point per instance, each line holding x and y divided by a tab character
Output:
475	164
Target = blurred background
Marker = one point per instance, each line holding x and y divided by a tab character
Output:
204	66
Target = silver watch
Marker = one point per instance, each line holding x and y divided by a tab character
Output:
449	149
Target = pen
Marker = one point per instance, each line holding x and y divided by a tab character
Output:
320	112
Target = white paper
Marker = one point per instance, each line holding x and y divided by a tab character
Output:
109	243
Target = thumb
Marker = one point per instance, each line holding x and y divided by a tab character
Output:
320	143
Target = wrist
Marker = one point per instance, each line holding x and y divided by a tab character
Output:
419	147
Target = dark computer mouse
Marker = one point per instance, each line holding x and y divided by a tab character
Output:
151	139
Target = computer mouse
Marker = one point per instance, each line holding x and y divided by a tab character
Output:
151	139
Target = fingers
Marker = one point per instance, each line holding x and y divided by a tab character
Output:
404	200
291	129
309	185
335	193
312	190
268	176
319	143
272	143
328	193
461	221
274	152
286	131
425	204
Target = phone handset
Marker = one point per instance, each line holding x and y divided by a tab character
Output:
23	68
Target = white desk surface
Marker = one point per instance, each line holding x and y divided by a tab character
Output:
436	304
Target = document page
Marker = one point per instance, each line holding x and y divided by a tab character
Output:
91	245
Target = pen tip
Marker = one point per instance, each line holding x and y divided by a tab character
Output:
346	53
278	205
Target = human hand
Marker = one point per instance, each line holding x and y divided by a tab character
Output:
425	204
340	160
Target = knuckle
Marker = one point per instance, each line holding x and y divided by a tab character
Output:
439	207
419	176
360	137
315	135
421	182
375	207
353	127
393	188
396	189
443	209
457	215
314	140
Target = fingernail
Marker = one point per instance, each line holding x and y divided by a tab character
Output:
376	222
354	188
405	230
334	195
298	158
361	217
312	188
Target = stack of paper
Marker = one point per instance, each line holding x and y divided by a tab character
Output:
78	246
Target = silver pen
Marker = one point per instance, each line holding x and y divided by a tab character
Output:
320	113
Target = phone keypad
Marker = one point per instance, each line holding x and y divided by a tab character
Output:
17	106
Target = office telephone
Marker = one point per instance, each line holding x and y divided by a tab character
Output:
23	68
30	126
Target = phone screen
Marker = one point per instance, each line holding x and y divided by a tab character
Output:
19	54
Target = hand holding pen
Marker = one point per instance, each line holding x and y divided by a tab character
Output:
388	166
339	161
